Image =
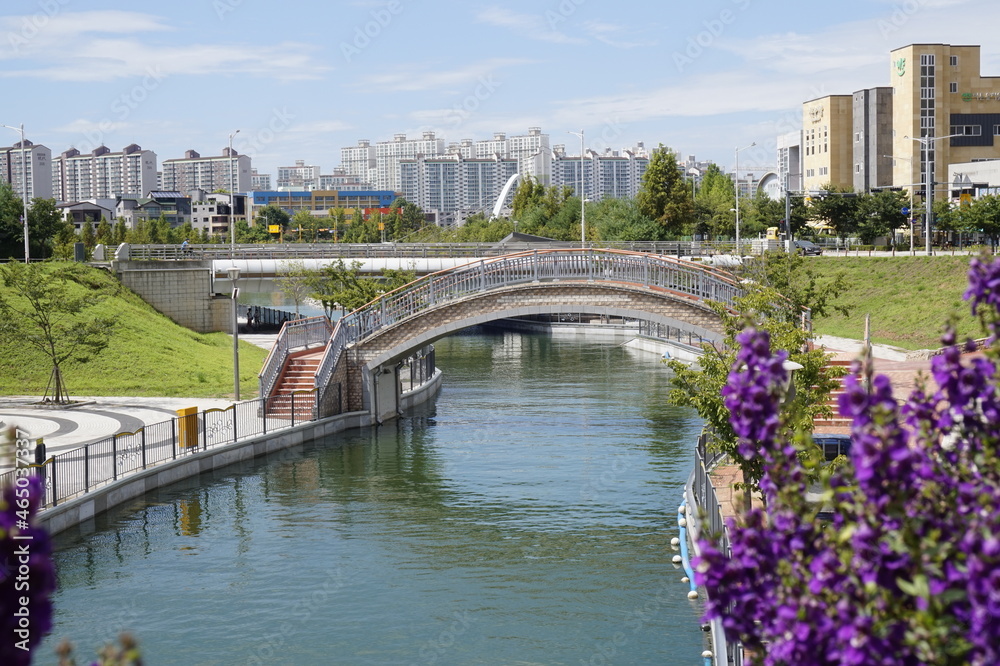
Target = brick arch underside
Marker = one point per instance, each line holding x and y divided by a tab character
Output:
564	297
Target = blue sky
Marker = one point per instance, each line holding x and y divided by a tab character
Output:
302	79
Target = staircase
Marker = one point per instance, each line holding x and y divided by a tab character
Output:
835	422
298	375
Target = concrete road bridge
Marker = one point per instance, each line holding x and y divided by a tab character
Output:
356	364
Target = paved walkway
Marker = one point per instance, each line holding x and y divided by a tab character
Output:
96	418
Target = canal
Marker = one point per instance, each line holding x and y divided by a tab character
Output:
524	517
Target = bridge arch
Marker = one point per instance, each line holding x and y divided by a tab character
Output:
367	343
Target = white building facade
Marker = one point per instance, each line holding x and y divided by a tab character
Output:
36	161
102	174
193	172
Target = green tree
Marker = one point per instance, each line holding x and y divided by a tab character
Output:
838	207
44	220
701	386
121	232
620	220
87	235
664	197
307	224
984	214
11	232
105	234
527	196
714	205
271	215
294	281
338	285
880	214
409	219
41	310
338	222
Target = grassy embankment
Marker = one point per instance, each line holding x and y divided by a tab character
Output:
148	355
909	298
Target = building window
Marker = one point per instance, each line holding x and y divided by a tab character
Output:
953	87
967	130
953	61
996	130
857	168
857	137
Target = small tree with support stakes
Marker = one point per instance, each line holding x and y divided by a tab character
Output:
41	310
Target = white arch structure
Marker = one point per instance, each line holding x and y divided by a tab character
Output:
503	196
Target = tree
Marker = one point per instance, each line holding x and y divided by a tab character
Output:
903	568
121	232
44	221
528	195
714	205
43	311
338	285
984	214
410	218
307	224
620	220
272	215
105	234
701	387
880	214
11	231
839	211
294	282
87	235
664	197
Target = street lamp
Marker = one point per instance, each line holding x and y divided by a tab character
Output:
24	183
232	204
910	188
929	182
234	277
583	208
737	179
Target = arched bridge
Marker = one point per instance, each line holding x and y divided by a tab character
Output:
366	345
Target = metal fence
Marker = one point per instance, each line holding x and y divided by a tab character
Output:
209	251
293	335
79	471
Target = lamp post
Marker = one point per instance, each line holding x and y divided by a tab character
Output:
737	181
24	183
929	183
910	188
234	277
232	204
583	201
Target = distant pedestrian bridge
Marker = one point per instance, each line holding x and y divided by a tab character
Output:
361	356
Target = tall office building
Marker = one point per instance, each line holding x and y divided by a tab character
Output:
102	174
37	160
193	172
938	91
827	147
872	138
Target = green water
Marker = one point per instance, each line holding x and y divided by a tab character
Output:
522	518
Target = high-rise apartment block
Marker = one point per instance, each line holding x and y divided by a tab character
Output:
299	177
193	171
612	174
359	161
36	161
102	174
388	155
453	187
260	181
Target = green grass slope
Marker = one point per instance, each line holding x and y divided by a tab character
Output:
148	355
909	298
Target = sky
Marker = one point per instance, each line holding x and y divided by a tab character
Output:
302	79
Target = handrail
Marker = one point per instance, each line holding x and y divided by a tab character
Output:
293	334
653	271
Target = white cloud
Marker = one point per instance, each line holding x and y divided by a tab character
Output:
612	35
455	81
109	45
532	26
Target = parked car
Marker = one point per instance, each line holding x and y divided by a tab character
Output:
807	247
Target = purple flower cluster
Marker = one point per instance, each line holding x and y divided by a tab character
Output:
27	575
908	569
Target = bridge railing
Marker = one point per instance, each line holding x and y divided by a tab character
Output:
328	365
293	335
681	277
207	251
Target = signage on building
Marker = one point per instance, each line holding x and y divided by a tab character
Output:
981	97
900	66
274	228
816	114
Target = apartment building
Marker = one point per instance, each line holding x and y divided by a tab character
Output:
388	155
260	181
102	174
299	177
222	172
34	161
359	161
612	174
319	202
452	187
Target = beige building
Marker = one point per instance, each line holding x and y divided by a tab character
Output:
938	91
827	147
